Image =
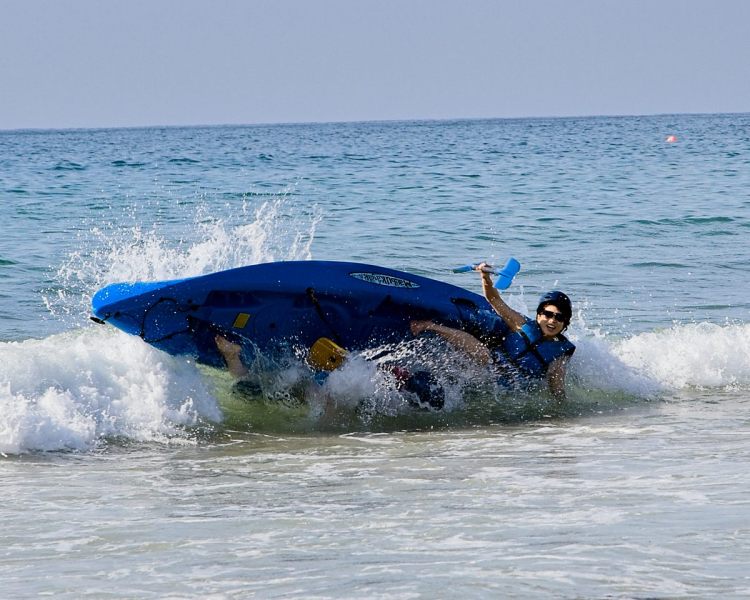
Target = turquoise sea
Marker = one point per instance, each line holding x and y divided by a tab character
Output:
127	473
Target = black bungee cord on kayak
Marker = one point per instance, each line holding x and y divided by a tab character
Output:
321	314
142	324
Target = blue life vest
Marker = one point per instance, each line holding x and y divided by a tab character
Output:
528	352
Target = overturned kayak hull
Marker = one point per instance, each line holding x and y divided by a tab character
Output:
277	306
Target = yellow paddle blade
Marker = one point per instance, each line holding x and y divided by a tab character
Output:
326	355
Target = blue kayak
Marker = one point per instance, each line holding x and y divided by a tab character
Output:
283	306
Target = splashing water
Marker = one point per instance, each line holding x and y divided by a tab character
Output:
700	355
273	231
72	391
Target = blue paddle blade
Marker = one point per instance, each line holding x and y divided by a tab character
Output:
507	273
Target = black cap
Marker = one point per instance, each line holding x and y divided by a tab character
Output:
560	300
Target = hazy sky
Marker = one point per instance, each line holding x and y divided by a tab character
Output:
98	63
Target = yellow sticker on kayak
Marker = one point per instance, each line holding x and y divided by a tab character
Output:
241	320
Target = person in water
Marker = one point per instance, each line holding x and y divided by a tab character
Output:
231	353
421	383
531	348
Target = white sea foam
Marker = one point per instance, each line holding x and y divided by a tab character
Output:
596	365
701	355
71	391
697	355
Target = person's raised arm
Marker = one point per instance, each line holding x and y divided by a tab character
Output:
515	320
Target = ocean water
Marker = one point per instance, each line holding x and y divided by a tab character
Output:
127	473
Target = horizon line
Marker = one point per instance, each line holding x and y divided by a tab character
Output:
356	121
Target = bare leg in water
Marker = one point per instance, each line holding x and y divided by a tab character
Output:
231	353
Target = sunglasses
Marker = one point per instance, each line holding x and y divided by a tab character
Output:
549	314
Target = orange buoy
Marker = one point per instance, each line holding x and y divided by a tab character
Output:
671	139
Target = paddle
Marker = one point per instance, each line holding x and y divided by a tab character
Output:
505	275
